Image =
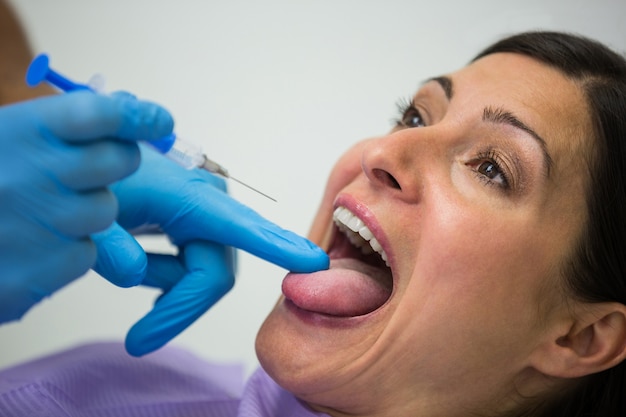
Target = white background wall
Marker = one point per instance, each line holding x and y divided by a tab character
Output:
275	90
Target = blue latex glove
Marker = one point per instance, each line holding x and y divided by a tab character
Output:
193	209
57	155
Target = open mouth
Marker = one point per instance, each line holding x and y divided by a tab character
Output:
360	236
359	280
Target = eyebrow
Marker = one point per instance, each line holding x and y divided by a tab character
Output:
500	116
446	84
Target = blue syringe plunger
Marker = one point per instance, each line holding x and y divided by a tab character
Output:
39	70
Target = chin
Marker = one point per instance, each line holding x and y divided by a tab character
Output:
326	327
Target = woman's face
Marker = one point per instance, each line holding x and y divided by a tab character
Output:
476	199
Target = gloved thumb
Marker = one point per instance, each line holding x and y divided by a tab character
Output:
121	259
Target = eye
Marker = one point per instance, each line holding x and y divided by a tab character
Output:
409	115
489	169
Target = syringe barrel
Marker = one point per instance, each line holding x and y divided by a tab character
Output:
185	154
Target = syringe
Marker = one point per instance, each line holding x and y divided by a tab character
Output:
185	154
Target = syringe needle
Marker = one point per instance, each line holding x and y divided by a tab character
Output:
216	168
252	188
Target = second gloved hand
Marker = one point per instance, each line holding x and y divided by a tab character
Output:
57	156
192	208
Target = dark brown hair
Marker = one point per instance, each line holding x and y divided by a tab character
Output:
597	271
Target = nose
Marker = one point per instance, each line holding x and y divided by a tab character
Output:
397	163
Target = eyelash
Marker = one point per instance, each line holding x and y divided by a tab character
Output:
406	108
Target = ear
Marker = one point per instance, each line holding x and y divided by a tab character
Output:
594	340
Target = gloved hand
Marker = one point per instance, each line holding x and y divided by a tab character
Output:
192	208
57	155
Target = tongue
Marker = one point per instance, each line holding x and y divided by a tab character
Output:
349	288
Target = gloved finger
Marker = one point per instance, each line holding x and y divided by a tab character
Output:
279	246
187	207
213	179
45	256
210	276
123	95
121	259
218	217
30	275
63	211
91	165
83	115
164	271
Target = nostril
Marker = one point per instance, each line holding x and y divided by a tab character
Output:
386	178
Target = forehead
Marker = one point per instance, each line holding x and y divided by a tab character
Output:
551	104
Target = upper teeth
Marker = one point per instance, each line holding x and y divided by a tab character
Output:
357	232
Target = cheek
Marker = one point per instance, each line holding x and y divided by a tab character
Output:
481	263
471	302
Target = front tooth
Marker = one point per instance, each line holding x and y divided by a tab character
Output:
366	233
344	216
354	223
375	245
